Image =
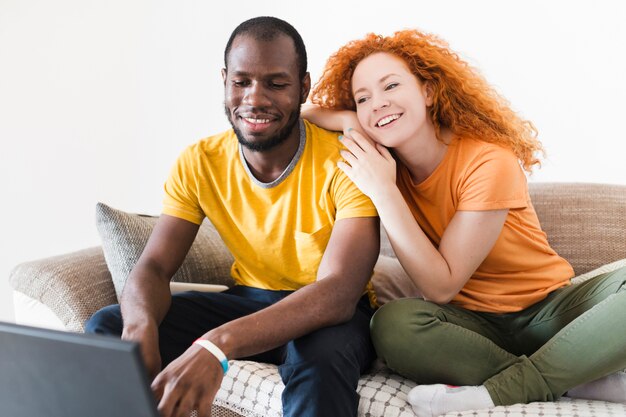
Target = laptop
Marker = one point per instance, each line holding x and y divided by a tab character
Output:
50	373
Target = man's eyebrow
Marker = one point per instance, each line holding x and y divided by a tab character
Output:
280	74
382	80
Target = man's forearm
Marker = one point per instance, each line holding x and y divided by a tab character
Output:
342	276
310	308
146	297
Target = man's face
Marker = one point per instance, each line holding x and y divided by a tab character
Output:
263	91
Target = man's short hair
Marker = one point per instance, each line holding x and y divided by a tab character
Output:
266	28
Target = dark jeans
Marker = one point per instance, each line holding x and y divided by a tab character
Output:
320	370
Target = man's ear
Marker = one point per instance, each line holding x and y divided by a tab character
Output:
224	75
305	87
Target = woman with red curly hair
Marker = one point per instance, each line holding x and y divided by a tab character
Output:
445	168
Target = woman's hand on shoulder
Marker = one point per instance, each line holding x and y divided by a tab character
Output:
368	164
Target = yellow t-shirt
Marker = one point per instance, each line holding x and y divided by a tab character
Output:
522	268
277	234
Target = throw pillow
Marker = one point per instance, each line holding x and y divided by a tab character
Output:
390	281
125	235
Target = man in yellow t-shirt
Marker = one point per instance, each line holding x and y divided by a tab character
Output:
277	231
303	237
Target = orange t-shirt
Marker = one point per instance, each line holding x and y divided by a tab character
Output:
474	175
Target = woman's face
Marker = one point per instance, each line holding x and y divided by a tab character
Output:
391	103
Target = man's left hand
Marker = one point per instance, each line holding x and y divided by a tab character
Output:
188	383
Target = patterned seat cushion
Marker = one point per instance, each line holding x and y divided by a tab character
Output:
564	407
252	389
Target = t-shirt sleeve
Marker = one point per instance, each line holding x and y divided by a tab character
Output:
181	197
494	181
349	200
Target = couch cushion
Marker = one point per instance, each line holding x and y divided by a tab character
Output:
390	281
253	389
125	235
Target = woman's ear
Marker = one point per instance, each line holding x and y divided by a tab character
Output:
429	93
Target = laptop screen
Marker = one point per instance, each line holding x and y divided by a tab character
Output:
57	374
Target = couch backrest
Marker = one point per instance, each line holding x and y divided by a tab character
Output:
585	223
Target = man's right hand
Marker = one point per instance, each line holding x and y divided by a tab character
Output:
148	338
189	383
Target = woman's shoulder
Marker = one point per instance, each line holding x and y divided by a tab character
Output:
473	149
479	161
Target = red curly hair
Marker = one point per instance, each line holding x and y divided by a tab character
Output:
462	100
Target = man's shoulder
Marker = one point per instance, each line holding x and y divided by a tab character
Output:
325	140
218	144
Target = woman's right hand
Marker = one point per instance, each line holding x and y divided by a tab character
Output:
369	165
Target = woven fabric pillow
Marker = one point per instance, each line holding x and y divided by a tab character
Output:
125	235
390	281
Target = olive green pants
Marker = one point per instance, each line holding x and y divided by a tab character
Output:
576	335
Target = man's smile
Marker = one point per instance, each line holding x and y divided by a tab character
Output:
256	123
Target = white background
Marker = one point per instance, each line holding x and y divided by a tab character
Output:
97	98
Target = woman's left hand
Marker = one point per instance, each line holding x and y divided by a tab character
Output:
369	165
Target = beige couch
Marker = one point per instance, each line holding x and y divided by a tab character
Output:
585	223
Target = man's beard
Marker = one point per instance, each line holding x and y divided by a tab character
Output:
268	143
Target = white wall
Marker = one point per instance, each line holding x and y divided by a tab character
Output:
97	98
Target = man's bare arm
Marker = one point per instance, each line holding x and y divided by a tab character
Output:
146	297
193	379
342	276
